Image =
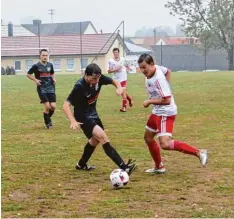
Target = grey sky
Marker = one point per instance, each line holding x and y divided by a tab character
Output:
105	14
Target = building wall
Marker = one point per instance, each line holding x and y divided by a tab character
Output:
62	59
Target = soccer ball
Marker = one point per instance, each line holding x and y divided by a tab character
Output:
119	178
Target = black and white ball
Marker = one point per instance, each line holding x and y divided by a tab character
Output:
119	178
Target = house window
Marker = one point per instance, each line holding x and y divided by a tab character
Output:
84	63
17	65
29	64
70	64
57	66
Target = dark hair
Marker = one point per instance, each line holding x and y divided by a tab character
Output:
43	50
145	57
93	69
115	49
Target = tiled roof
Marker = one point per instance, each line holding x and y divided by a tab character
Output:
58	45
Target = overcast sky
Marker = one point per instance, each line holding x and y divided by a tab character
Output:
104	14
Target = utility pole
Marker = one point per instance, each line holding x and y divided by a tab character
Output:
51	13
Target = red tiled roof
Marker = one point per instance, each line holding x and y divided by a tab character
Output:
57	45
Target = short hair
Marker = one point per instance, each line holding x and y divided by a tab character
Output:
93	69
43	50
115	49
145	57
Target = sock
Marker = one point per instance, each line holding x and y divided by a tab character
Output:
124	103
155	153
51	112
88	151
129	99
46	118
183	147
113	155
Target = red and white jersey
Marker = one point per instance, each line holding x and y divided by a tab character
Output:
159	87
122	74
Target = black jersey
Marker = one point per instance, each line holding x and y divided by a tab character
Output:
84	98
43	73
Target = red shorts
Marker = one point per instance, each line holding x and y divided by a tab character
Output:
123	83
162	125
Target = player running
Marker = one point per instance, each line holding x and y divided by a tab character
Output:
83	98
118	67
45	80
161	121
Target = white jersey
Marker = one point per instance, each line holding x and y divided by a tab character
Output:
120	75
159	87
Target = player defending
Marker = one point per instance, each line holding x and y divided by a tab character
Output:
45	80
83	98
163	115
117	66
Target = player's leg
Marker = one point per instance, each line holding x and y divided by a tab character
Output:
150	132
46	114
110	151
128	97
166	142
124	97
88	151
52	99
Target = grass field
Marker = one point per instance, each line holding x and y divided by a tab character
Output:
38	174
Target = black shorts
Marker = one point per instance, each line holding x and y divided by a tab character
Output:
89	125
47	97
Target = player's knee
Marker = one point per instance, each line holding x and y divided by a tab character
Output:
94	142
53	107
164	144
148	139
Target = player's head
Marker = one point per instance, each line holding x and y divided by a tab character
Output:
44	55
93	73
146	64
116	53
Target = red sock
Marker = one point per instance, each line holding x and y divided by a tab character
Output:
129	99
124	103
155	153
183	147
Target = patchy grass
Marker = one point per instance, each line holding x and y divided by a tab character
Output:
38	175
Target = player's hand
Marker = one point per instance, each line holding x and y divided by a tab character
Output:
75	125
38	82
54	81
118	68
146	103
119	91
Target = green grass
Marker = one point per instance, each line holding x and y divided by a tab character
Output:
38	175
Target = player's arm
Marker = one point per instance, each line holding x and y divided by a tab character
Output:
166	72
74	96
165	93
158	101
104	80
111	69
32	77
52	73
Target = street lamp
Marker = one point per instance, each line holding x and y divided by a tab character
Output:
38	24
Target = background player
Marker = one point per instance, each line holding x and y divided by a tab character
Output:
117	66
45	80
163	115
84	98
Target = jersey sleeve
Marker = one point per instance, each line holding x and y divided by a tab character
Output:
32	70
164	88
110	65
52	69
163	69
104	80
76	95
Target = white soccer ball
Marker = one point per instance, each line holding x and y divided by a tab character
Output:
119	178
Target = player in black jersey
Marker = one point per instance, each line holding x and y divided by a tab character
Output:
84	98
45	80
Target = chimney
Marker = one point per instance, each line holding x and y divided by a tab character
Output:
37	22
10	29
